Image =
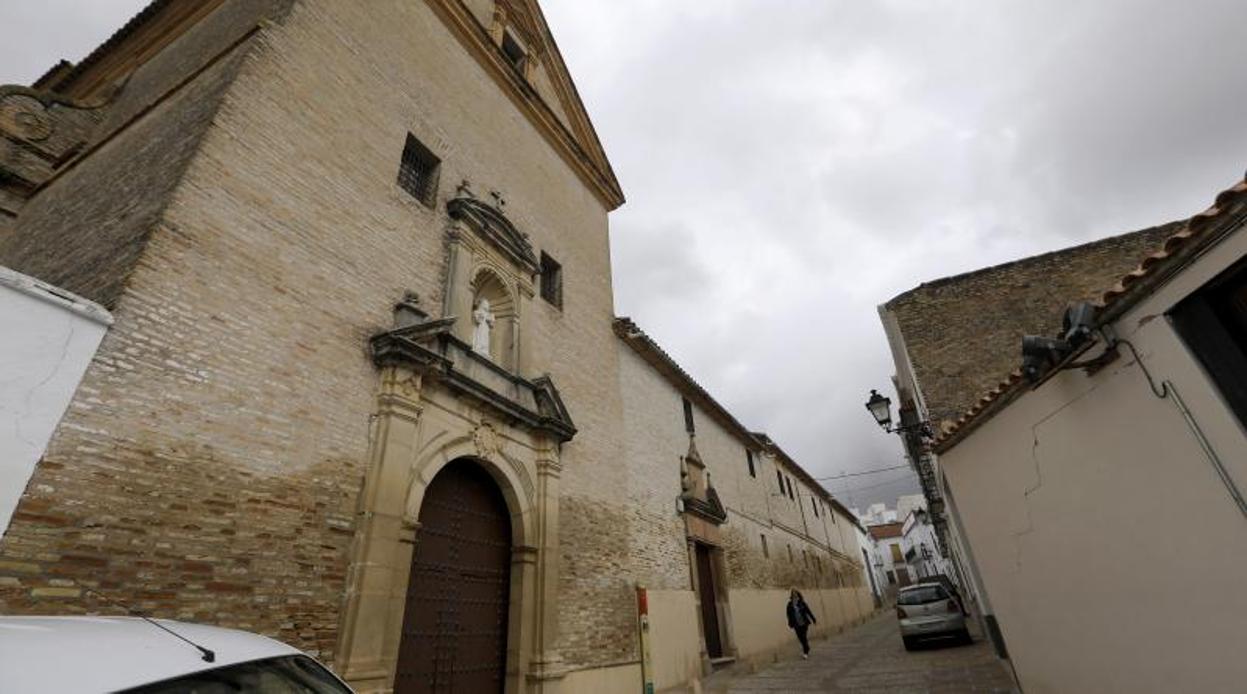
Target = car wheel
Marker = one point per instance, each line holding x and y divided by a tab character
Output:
908	642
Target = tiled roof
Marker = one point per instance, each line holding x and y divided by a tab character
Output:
886	530
61	75
1167	257
962	333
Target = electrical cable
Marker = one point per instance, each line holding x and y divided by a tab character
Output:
863	472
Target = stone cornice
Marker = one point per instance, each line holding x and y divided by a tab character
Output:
492	225
595	171
430	349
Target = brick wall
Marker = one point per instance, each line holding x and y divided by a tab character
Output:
209	465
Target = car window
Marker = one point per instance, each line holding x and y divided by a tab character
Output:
294	674
922	595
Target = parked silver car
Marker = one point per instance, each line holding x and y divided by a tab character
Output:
928	610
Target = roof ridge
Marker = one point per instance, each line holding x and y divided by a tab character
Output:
1190	232
942	281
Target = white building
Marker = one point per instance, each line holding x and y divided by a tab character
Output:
876	514
49	337
890	542
921	547
907	504
874	562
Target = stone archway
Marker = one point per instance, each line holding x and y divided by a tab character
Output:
456	617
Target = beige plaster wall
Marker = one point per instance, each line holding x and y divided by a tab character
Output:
762	623
675	649
618	679
1110	548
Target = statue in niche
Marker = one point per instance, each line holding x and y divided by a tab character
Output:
483	322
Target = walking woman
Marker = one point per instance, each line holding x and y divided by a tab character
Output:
799	620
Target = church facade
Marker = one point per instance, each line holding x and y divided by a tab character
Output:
364	390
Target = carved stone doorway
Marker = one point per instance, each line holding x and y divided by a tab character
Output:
455	623
707	593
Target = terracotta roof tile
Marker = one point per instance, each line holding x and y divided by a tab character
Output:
884	531
1192	234
961	332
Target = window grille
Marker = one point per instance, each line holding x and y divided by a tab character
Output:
551	281
418	171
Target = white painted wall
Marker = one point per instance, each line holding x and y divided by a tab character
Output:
1076	498
918	532
49	337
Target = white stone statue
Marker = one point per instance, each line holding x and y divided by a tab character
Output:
483	322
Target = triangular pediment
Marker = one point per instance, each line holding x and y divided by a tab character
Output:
548	87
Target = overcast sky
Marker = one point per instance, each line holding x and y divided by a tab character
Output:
791	165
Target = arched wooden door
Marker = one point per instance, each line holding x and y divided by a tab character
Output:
455	622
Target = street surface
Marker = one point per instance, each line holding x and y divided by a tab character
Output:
870	658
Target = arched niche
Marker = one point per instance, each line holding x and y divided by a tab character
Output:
488	257
488	285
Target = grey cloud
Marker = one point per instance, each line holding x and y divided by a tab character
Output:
791	165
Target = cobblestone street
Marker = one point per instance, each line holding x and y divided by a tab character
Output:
870	658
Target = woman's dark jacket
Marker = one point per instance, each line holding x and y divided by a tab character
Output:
799	614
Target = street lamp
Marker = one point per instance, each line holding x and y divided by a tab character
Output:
880	407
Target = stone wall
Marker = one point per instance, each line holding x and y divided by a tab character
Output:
209	466
964	334
825	558
86	230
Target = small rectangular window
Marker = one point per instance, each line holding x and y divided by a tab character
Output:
688	416
418	171
765	551
514	51
779	474
749	459
814	503
790	559
791	495
551	281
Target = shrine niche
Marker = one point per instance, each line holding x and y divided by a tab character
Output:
489	282
494	318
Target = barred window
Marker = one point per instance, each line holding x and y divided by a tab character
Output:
551	281
418	171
